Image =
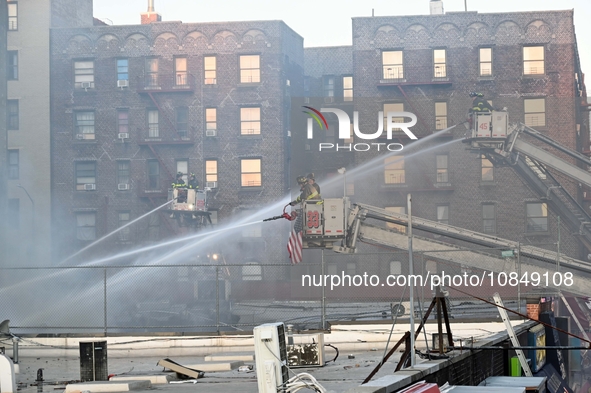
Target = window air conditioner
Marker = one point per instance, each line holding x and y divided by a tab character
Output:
211	132
86	85
122	83
270	356
90	187
80	136
123	135
211	184
123	187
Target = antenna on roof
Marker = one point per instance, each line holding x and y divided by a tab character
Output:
372	13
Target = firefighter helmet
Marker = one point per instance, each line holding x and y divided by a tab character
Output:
179	174
311	176
302	179
474	94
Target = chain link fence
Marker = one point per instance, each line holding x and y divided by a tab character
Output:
325	289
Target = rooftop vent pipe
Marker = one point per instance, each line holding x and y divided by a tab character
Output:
436	7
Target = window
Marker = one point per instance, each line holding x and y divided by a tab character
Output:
485	66
153	175
12	118
394	170
392	107
395	267
250	172
122	69
537	217
123	173
250	69
13	164
13	214
180	71
182	166
351	268
153	129
250	121
125	233
489	222
209	65
151	72
439	63
153	227
348	88
12	15
442	169
252	271
123	121
86	226
84	125
533	60
440	115
84	74
535	112
85	176
211	170
211	115
12	65
397	227
182	121
328	86
443	214
392	65
487	173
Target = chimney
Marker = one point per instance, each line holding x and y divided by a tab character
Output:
436	7
151	16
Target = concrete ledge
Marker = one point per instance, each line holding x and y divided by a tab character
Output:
154	379
231	356
216	366
105	386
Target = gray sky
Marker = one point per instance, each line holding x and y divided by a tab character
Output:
328	22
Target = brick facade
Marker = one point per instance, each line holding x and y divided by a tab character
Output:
281	70
461	35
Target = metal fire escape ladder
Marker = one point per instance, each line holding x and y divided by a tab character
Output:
164	114
170	176
406	100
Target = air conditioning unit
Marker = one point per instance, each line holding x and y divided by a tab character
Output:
86	85
271	357
90	187
80	136
123	187
122	83
211	184
308	353
211	132
123	135
306	100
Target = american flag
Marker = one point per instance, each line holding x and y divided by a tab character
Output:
294	244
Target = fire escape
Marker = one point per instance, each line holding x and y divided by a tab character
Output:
158	87
400	77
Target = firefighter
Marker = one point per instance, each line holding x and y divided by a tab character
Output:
312	181
193	182
179	182
308	192
181	194
479	104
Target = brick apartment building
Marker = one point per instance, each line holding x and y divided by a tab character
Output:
134	105
427	65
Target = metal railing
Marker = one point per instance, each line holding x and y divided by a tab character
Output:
236	297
